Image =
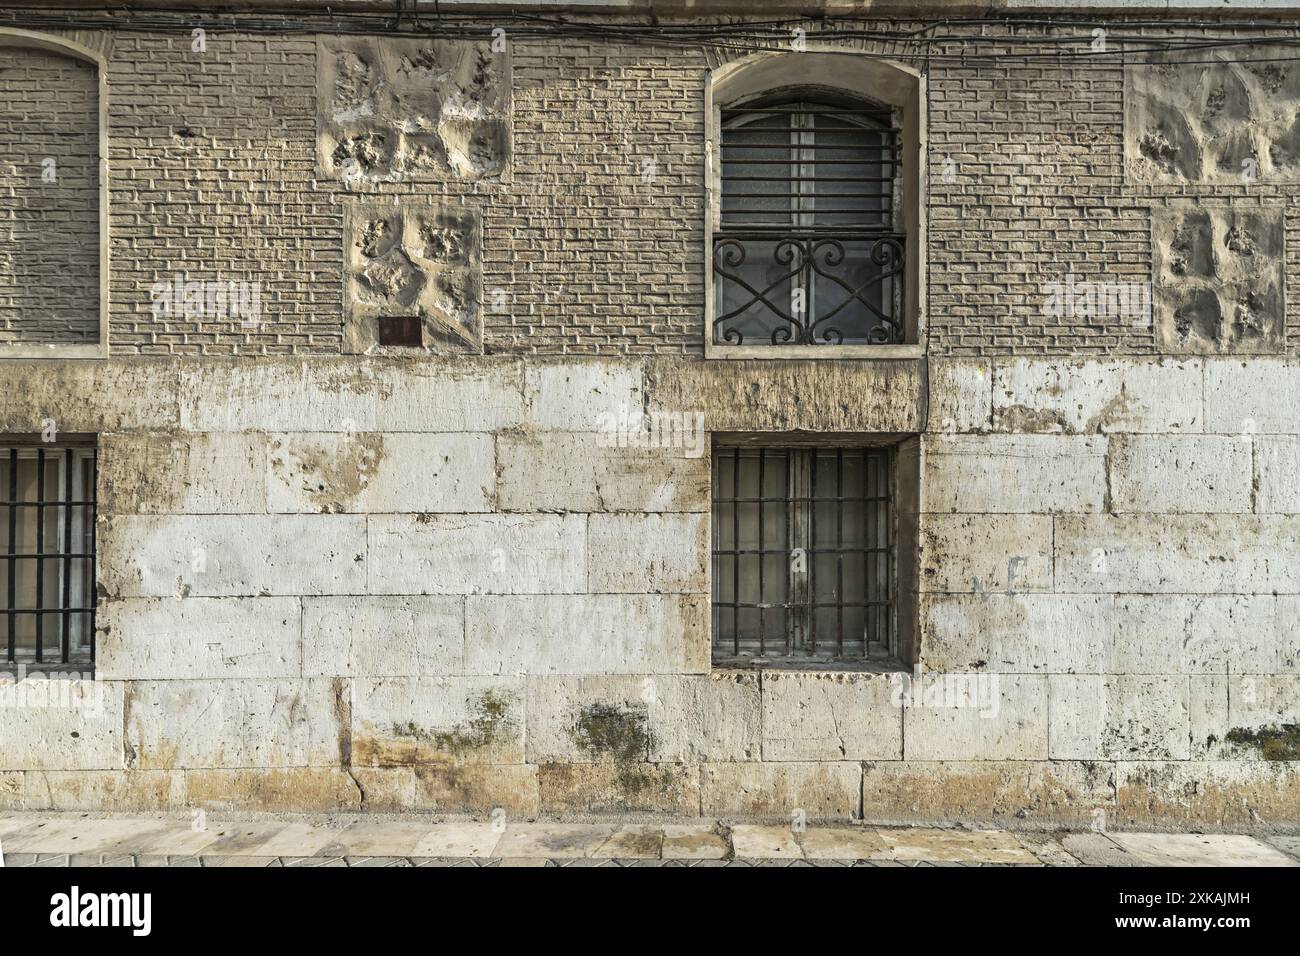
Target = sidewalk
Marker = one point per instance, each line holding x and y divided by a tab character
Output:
79	839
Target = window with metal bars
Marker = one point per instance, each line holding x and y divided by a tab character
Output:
47	575
809	250
803	555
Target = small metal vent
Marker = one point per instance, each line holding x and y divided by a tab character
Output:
402	330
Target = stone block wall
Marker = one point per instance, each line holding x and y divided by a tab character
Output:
333	577
381	584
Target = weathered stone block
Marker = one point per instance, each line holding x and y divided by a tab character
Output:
1182	474
452	788
232	555
983	791
961	395
829	716
1119	717
1261	396
416	261
375	473
590	396
1196	793
122	791
170	638
169	473
405	721
586	472
1277	474
823	396
587	634
982	553
60	723
462	394
979	474
411	110
89	396
1219	280
1245	717
273	789
822	791
383	636
1180	554
620	788
1077	397
1017	633
478	554
965	716
235	724
647	553
655	719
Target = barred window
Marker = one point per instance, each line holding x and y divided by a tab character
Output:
47	576
803	555
809	250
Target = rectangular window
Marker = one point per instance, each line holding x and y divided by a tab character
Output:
47	571
803	555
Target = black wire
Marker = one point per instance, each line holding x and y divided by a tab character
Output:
738	35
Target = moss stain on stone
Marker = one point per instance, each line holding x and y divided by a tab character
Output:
491	716
1279	742
611	731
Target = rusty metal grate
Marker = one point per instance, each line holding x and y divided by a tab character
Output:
47	568
803	555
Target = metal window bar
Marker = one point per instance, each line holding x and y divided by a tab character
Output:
829	589
808	250
47	566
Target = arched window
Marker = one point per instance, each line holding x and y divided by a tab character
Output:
815	221
53	221
809	250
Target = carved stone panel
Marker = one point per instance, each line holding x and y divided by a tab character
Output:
418	260
411	110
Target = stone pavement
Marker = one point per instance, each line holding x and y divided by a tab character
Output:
82	839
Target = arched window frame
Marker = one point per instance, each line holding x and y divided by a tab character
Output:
27	39
850	76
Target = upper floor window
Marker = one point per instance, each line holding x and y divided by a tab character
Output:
809	249
814	227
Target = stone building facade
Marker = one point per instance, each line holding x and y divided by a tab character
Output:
394	356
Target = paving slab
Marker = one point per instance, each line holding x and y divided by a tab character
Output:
1097	849
844	843
76	835
1047	848
1289	845
633	843
765	843
955	846
552	840
168	838
700	842
370	839
1195	849
459	839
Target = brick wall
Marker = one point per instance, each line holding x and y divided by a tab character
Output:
49	198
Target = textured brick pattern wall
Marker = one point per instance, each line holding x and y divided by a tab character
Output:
49	227
592	239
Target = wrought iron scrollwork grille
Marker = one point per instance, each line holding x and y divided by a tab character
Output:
808	252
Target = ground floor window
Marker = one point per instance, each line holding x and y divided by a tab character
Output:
47	569
803	555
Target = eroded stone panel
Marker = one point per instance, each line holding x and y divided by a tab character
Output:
1219	280
417	110
416	261
1215	118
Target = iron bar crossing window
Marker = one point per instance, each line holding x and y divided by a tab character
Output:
808	249
47	568
803	555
